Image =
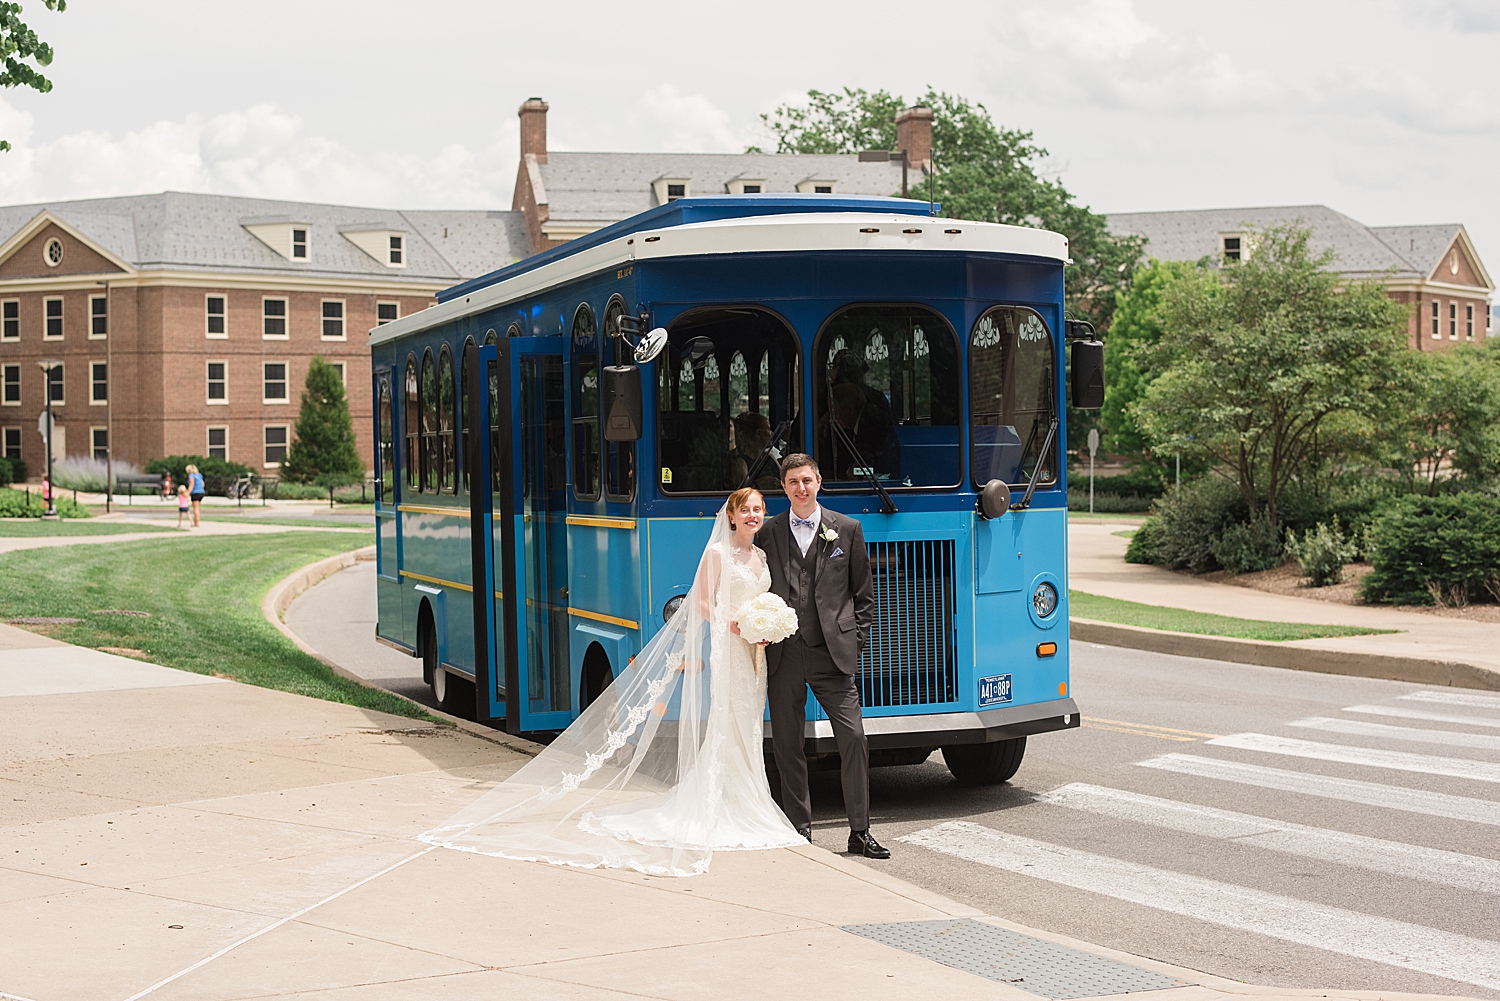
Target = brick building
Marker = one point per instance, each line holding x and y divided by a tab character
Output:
1435	268
199	315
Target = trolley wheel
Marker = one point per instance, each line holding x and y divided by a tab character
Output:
985	764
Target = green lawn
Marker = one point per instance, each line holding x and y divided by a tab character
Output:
34	527
1111	516
364	523
1180	620
204	597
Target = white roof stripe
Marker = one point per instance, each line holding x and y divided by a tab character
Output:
812	231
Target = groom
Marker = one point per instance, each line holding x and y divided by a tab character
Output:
819	567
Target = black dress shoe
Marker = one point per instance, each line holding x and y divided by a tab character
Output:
864	843
806	832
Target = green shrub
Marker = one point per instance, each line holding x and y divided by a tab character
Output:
6	476
1322	552
1248	547
1436	550
23	504
1145	543
1188	523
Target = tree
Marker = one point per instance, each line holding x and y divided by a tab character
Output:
19	43
982	172
1130	350
323	451
1261	354
1447	422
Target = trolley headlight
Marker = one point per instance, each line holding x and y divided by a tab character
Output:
1044	600
671	607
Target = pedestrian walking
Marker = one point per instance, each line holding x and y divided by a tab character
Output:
195	492
184	507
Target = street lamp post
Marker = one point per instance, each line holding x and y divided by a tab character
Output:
47	367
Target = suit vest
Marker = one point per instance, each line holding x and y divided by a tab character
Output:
799	577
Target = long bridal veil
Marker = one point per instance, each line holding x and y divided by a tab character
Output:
638	747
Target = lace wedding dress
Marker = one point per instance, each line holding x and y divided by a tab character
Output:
664	769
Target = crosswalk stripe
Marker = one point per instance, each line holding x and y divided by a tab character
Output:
1429	764
1404	713
1431	865
1423	801
1334	929
1363	728
1455	699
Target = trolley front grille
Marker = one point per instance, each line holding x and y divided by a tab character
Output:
912	655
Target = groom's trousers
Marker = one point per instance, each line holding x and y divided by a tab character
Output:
804	667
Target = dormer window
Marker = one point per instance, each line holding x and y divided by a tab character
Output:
816	186
289	238
1234	246
676	191
745	185
669	189
381	240
751	189
398	245
299	244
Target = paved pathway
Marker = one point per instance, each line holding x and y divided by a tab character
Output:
1096	566
10	544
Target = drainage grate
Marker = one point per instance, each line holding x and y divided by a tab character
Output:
1033	965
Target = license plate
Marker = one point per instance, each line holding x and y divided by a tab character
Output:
994	690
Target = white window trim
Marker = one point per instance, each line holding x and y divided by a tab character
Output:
47	257
92	429
288	445
62	318
287	382
3	303
225	335
1437	323
286	318
206	380
660	186
93	299
47	387
400	250
3	400
343	368
1469	321
208	445
291	244
343	320
1452	320
386	302
3	431
93	402
810	185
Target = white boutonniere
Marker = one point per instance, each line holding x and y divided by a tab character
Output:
828	534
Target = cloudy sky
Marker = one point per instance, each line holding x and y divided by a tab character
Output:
1387	110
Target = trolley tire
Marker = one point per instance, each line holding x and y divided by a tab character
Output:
985	764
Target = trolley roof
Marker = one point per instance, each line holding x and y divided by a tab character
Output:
738	224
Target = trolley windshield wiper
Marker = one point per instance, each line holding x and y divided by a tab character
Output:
768	452
842	436
1036	471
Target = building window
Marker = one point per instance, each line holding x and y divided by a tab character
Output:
1469	322
338	367
333	320
751	189
54	316
55	384
1231	248
12	386
53	252
12	443
99	316
10	310
385	312
397	248
299	244
275	382
676	191
275	445
1452	321
1435	320
218	443
822	189
218	382
99	440
98	383
273	312
215	317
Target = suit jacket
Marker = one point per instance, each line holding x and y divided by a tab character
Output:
842	591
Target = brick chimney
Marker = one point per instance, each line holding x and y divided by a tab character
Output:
913	134
534	128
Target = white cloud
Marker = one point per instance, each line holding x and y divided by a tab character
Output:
688	123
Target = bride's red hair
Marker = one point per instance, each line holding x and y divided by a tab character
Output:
738	499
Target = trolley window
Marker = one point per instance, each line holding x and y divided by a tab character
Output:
429	402
619	456
447	460
1012	371
585	406
413	428
891	373
385	456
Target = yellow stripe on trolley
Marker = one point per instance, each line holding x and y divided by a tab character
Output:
590	521
613	620
437	580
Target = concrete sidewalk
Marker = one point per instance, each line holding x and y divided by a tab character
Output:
1096	565
173	836
11	544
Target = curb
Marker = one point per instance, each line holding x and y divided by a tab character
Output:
280	597
1446	673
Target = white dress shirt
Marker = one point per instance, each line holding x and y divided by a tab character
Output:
804	534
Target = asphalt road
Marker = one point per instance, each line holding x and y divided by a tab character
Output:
1248	822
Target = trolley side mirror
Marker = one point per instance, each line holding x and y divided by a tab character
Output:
1088	374
650	346
994	500
622	403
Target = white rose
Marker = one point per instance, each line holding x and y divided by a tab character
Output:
766	619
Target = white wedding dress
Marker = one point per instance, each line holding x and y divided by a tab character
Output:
664	769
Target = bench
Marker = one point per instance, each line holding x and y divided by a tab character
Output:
132	480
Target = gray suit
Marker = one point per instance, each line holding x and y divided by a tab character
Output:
831	592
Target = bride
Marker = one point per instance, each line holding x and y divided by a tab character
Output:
667	766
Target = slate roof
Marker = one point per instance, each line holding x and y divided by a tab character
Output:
176	230
1398	251
590	190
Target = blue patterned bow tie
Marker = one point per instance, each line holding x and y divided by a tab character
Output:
808	522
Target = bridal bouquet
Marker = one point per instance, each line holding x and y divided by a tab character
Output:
765	618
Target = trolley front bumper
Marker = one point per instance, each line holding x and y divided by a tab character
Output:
941	729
